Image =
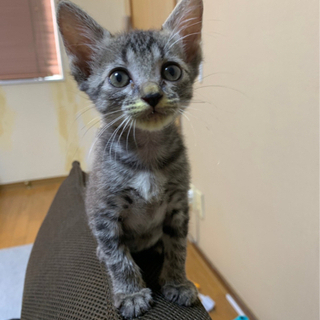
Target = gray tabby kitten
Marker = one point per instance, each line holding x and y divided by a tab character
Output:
140	82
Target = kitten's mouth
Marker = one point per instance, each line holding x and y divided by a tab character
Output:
153	116
156	113
154	119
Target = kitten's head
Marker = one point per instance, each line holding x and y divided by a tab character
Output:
144	77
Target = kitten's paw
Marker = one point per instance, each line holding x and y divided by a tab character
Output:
134	304
184	294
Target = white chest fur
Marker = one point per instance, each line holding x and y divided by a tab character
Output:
148	184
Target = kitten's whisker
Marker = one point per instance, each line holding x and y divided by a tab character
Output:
103	129
114	135
114	141
134	133
96	119
110	124
183	113
124	127
194	134
224	87
87	124
78	148
209	102
71	129
109	140
213	74
128	135
190	107
190	114
204	111
77	117
92	106
90	127
109	113
191	101
194	109
207	125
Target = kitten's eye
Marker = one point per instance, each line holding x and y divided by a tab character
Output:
171	72
119	78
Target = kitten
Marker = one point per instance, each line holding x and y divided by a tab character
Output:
136	197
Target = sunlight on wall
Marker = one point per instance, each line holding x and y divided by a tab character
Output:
7	122
46	126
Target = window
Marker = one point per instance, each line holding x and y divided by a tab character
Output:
29	47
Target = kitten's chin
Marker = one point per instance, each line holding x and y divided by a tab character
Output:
156	123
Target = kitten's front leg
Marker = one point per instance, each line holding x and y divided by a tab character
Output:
131	296
175	285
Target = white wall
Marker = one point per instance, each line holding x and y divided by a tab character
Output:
41	129
257	163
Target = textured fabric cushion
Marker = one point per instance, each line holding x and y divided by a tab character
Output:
65	280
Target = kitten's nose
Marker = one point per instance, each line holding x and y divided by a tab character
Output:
152	99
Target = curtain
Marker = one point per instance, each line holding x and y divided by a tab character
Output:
27	40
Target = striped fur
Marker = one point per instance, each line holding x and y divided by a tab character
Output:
137	190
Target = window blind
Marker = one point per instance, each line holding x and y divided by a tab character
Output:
27	40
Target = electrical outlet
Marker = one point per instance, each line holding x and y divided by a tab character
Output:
191	195
194	218
196	205
199	203
196	201
200	77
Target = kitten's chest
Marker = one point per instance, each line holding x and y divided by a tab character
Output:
149	185
142	222
142	225
140	219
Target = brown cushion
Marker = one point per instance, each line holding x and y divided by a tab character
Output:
65	280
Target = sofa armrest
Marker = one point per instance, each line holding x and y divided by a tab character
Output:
64	278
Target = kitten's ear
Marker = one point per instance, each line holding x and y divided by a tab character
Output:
186	20
81	36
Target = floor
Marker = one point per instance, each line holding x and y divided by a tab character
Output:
23	208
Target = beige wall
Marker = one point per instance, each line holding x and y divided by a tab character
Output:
41	129
257	163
